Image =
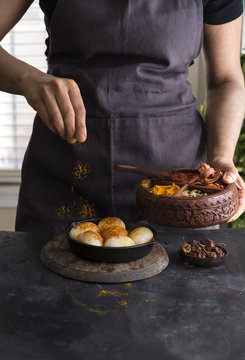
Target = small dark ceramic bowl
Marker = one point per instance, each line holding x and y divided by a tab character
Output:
111	254
204	262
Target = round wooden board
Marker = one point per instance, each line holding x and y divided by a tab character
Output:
57	256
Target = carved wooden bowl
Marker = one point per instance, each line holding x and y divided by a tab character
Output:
188	212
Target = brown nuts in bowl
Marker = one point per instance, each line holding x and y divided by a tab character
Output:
204	252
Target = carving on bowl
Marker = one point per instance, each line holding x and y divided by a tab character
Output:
180	211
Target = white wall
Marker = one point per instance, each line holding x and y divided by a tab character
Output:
196	78
8	200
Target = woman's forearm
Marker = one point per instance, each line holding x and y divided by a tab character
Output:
12	73
225	105
225	90
57	101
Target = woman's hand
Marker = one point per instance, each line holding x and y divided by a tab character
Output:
230	175
58	102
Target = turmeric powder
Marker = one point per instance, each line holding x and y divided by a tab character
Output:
113	231
164	189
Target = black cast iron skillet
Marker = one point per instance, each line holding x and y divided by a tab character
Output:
111	254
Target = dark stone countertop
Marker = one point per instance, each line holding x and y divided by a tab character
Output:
183	313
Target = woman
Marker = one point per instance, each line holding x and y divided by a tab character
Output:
117	77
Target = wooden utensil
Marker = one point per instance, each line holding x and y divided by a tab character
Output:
148	173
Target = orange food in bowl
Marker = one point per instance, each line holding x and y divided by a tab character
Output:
164	189
113	231
81	228
110	221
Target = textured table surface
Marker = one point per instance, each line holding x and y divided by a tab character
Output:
182	313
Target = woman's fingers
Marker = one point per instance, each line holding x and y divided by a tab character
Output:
66	110
241	199
59	104
40	108
231	175
80	113
54	114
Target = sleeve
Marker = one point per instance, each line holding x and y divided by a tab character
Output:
218	12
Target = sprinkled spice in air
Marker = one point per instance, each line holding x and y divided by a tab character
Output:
64	210
80	170
86	210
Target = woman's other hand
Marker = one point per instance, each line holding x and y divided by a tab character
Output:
58	102
231	175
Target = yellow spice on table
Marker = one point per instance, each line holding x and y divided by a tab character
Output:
164	189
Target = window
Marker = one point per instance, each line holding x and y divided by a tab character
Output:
27	42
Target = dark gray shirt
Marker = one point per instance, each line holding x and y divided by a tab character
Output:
215	12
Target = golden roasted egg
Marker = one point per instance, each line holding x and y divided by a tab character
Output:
119	241
110	221
91	238
81	228
141	235
113	231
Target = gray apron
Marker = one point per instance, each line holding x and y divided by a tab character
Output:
130	60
